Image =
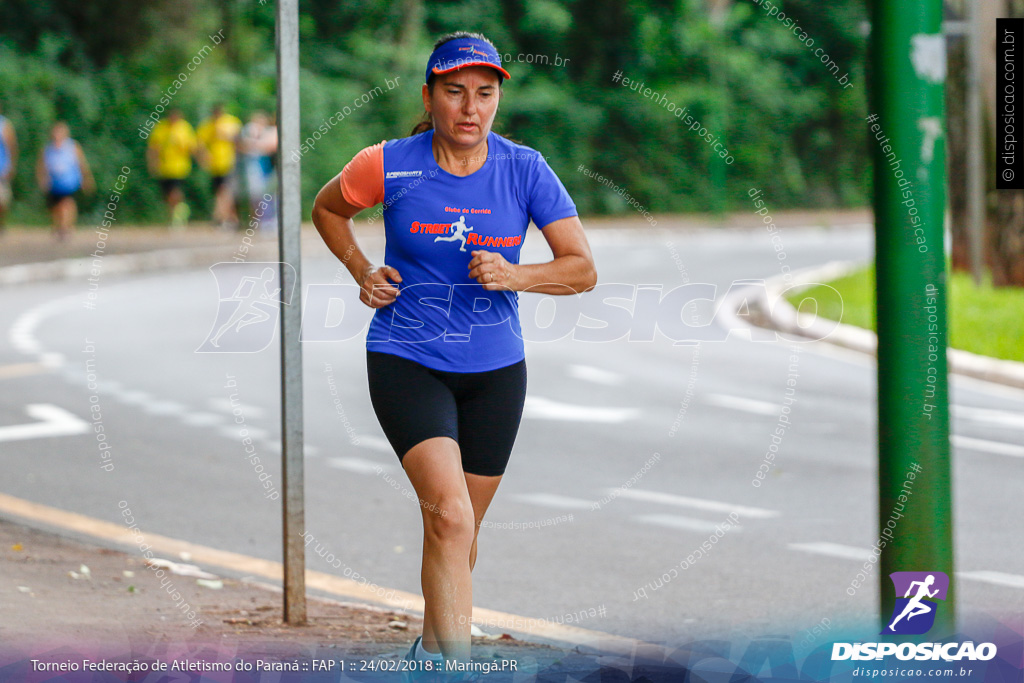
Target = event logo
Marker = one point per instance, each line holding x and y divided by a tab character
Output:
249	304
914	613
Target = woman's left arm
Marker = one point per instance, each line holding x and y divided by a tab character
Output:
572	270
88	183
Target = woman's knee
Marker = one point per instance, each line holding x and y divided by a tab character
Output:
450	521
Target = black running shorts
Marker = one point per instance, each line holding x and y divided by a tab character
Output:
479	410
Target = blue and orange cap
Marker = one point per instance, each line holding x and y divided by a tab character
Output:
463	52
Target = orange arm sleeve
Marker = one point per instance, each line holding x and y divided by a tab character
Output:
362	179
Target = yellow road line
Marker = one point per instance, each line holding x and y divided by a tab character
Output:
335	585
22	370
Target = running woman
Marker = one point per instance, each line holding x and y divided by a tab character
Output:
444	351
169	156
218	137
8	160
62	170
258	145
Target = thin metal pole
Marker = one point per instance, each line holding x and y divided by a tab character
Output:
289	240
975	146
907	90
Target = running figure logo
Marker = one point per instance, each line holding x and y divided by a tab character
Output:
473	51
246	319
459	234
915	614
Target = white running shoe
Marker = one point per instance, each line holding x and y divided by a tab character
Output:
416	675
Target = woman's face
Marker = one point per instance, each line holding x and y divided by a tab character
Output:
463	104
59	133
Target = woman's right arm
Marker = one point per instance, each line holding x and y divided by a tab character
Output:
332	216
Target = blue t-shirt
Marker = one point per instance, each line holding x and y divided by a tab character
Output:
5	157
433	221
62	166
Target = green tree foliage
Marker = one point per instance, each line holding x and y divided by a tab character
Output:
793	131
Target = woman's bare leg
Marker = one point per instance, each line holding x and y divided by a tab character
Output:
434	467
481	492
70	215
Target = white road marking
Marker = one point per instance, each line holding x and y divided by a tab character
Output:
74	376
377	443
554	500
819	427
982	386
985	446
359	465
51	359
52	421
680	522
1003	418
997	578
22	334
109	386
224	405
229	431
843	354
235	432
698	503
201	419
747	405
589	373
540	408
274	445
845	552
133	397
164	408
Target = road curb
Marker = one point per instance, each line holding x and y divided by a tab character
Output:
124	264
782	317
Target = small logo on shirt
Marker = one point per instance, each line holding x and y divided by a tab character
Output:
403	174
460	229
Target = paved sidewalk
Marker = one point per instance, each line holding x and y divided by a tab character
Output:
34	245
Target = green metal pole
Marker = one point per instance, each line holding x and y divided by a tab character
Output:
907	140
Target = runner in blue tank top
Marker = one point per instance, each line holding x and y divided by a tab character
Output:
62	171
8	160
445	357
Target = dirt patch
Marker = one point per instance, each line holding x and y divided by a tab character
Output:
59	593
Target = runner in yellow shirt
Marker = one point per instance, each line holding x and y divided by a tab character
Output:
218	137
171	146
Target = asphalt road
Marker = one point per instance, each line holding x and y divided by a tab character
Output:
596	413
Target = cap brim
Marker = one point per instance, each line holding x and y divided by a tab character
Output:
504	73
